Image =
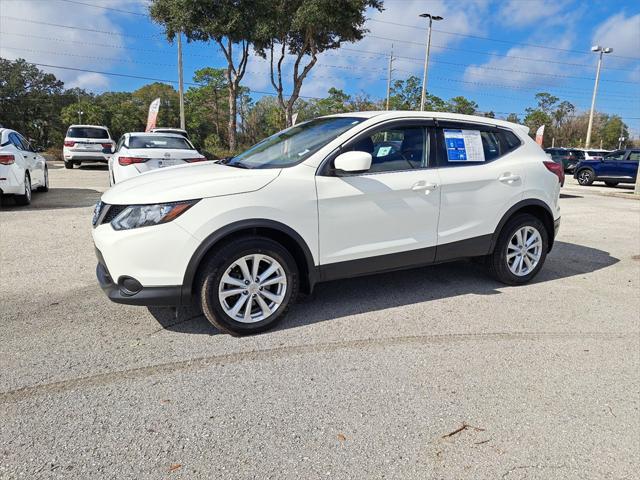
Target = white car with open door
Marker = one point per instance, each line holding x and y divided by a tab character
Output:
22	169
335	197
87	143
138	153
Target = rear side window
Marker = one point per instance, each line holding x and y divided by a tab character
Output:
15	139
87	132
464	146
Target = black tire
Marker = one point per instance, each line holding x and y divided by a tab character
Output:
25	198
216	265
45	187
497	261
585	177
68	165
611	184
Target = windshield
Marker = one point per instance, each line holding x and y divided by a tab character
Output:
87	132
295	144
159	141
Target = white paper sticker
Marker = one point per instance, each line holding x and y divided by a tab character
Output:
383	151
464	145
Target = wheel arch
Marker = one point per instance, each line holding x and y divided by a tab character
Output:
534	207
279	232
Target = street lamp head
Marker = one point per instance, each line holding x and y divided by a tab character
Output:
432	17
608	50
596	48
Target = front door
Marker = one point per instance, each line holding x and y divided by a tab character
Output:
386	217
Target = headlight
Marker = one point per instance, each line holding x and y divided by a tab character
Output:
136	216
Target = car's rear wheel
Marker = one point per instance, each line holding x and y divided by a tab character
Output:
45	187
25	198
68	164
611	184
586	177
520	251
247	286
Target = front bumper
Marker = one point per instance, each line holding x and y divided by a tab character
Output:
149	296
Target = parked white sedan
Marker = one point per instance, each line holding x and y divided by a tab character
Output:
137	153
21	168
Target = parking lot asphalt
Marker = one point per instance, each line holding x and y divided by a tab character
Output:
437	373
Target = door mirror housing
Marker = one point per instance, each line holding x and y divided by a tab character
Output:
353	162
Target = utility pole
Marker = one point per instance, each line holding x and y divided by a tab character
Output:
426	57
601	50
389	76
621	137
180	81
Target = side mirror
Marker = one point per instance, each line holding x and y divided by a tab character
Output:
353	162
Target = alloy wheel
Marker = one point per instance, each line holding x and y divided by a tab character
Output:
584	177
252	288
524	251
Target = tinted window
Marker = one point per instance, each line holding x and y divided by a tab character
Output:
159	141
394	149
87	132
25	144
634	156
618	155
184	134
467	145
13	138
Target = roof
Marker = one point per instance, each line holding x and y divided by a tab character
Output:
88	126
138	134
399	114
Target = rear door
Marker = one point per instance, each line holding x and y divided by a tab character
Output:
26	157
481	176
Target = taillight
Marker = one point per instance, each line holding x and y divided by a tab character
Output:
124	161
195	159
106	145
557	169
7	159
68	143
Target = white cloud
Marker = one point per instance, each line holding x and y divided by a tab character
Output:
39	43
621	33
89	81
516	13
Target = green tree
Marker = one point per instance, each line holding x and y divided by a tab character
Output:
91	114
306	28
461	104
229	23
169	114
30	101
513	117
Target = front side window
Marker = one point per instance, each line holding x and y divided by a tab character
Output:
634	156
295	144
619	155
87	132
394	149
158	141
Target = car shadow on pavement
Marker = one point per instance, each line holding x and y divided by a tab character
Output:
94	166
54	199
388	290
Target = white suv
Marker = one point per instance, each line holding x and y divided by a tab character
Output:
335	197
87	143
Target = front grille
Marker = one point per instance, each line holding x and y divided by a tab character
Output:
112	211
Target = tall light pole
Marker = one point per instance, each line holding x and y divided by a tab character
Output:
389	76
426	57
180	81
602	50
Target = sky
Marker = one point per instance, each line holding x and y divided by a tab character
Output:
499	53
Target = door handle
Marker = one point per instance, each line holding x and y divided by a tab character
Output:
509	178
423	186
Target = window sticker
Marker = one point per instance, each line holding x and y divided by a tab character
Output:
464	145
384	151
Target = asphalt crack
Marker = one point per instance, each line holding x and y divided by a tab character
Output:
280	352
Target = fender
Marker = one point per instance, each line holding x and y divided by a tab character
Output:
218	235
531	202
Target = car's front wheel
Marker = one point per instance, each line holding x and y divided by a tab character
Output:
586	177
247	285
520	251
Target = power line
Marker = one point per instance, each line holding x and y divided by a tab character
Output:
105	32
129	12
480	37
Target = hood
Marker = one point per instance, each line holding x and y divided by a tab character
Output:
188	182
